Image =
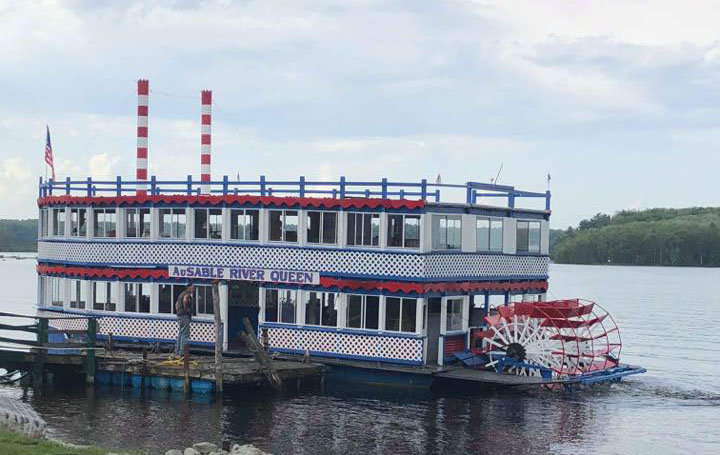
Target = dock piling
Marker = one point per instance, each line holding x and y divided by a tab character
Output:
90	356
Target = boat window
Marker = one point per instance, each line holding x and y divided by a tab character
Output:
172	223
203	300
137	297
283	225
489	234
78	222
363	229
322	227
43	222
104	222
137	223
208	223
58	219
244	224
320	309
168	295
528	236
104	296
363	311
446	232
400	314
404	231
454	318
280	305
57	293
77	294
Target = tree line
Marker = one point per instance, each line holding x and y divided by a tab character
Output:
676	237
18	235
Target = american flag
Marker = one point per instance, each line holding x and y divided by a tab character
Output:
48	153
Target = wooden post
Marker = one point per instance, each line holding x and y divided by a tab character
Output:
218	338
41	354
143	369
186	368
261	356
90	356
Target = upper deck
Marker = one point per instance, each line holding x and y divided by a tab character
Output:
400	231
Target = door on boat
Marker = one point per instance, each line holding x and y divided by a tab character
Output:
243	301
433	330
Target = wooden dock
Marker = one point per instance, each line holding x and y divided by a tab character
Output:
236	371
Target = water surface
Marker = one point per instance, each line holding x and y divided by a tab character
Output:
670	322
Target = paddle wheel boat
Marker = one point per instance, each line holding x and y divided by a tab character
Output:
413	282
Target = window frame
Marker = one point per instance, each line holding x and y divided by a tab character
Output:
137	297
208	230
450	303
207	289
110	291
95	222
76	229
361	225
539	238
321	227
283	226
404	233
490	221
58	218
78	294
233	217
173	297
282	301
400	314
174	213
139	221
335	303
44	219
363	311
57	292
445	246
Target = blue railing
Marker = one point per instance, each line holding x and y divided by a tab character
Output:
303	188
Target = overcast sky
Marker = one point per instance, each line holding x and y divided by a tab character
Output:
618	101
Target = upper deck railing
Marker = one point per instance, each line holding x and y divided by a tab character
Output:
342	188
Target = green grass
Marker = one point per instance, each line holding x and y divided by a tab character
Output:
16	444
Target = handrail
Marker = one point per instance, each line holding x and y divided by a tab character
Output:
341	188
41	344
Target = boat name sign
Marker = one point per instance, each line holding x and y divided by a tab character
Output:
244	274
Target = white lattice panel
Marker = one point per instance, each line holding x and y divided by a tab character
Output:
484	265
346	344
145	328
321	260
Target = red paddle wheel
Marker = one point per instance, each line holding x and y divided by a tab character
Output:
564	337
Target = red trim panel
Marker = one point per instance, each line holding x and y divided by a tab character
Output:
452	344
204	200
345	284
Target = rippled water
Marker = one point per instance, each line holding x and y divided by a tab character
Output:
670	322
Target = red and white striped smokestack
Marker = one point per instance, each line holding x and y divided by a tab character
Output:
143	91
205	141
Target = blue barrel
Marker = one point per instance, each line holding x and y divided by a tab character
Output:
136	381
201	386
103	377
159	382
177	384
121	379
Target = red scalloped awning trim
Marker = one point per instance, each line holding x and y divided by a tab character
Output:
204	200
345	284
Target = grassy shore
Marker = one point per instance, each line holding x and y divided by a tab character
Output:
16	444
